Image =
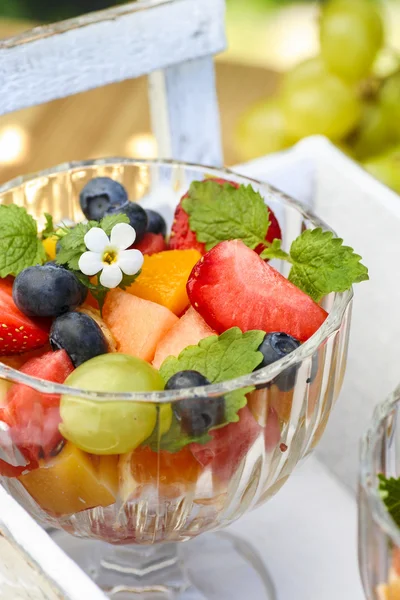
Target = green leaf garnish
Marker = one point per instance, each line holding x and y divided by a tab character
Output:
174	439
20	246
219	358
275	251
390	493
223	212
320	263
108	222
48	231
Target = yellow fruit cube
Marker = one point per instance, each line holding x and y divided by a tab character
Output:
73	481
163	278
49	245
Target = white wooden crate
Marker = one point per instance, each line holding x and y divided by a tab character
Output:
173	41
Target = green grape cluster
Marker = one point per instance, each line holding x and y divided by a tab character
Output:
336	94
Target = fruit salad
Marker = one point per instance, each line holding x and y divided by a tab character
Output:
122	339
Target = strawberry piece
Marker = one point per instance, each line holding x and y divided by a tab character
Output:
232	287
229	445
18	333
151	244
182	237
33	417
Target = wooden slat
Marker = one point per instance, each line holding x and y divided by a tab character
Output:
105	47
32	566
184	111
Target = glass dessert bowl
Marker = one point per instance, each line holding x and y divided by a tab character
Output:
379	489
120	497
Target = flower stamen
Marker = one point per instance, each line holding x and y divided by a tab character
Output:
110	256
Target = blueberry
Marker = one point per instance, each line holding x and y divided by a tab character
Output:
197	415
137	217
79	335
100	194
314	368
47	291
83	288
275	346
155	222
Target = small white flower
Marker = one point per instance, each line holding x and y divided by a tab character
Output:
110	256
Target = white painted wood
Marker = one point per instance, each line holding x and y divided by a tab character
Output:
184	112
105	47
32	566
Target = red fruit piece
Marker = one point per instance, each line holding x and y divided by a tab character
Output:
18	333
229	446
151	244
33	417
183	237
232	287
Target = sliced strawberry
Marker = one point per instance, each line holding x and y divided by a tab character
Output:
232	287
182	237
33	417
151	244
18	333
229	445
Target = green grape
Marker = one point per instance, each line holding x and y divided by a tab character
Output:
374	133
303	72
390	101
351	35
261	130
323	105
386	167
165	418
106	427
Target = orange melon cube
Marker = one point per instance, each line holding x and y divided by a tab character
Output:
72	481
137	325
190	329
164	277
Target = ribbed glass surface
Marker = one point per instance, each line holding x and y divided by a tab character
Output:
173	497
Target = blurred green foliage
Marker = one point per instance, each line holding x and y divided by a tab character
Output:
51	10
55	10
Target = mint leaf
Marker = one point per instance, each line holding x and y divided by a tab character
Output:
223	212
20	246
219	358
390	493
174	440
321	264
275	251
107	223
48	231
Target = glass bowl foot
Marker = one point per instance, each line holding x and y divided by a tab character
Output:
217	566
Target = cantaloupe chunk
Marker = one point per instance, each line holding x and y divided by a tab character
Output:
72	481
190	329
172	473
164	277
137	325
